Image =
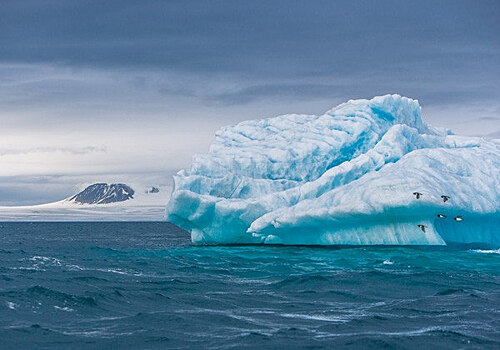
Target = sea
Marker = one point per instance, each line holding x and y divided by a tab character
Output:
144	285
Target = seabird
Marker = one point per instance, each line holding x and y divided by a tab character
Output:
417	194
445	198
441	216
458	218
422	227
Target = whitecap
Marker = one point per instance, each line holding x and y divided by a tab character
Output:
11	305
317	317
63	308
45	260
486	251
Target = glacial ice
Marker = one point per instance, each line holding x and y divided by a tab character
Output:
344	177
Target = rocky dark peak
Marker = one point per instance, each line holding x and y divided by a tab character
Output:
153	190
103	193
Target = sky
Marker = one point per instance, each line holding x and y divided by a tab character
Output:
129	90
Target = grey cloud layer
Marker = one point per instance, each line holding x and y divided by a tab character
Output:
441	51
257	37
70	150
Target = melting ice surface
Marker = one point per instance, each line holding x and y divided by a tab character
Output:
345	177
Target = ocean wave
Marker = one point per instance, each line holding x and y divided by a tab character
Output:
45	260
63	308
319	317
63	290
11	305
61	296
486	251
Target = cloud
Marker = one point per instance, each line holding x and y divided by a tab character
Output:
257	38
489	118
70	150
107	54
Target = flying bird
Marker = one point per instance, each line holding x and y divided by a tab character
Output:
445	198
441	216
458	218
422	227
417	194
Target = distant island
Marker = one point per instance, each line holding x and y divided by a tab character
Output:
103	193
98	202
153	190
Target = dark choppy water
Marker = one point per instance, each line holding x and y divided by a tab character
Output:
142	285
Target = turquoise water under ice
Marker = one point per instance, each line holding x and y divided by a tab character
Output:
144	285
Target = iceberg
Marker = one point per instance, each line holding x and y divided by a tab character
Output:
367	172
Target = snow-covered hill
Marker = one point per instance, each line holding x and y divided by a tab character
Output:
103	193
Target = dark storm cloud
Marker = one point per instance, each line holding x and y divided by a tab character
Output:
441	52
272	38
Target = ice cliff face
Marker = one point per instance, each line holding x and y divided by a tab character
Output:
345	177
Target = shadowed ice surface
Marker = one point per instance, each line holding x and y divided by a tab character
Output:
143	285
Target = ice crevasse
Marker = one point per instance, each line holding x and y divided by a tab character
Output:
350	176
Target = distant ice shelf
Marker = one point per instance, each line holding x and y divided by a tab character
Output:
348	176
98	202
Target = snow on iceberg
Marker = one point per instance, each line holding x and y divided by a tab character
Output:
345	177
